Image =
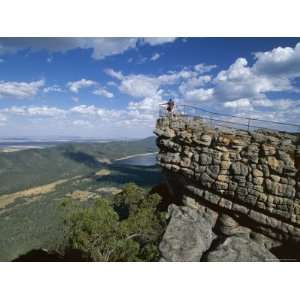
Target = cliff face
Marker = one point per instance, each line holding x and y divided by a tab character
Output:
248	182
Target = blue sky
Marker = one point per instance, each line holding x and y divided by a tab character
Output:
111	87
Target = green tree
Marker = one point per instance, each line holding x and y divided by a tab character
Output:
126	227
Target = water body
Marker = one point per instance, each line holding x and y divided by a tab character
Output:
139	160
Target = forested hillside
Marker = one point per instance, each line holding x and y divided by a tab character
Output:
28	168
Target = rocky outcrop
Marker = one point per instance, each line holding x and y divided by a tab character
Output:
188	235
239	248
249	180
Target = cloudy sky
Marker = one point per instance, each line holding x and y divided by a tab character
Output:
111	87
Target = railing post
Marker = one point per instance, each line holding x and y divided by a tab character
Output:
249	124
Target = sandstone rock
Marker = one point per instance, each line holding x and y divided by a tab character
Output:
275	164
265	241
225	165
170	145
166	133
242	249
238	168
188	235
205	159
268	150
213	171
257	173
205	139
229	226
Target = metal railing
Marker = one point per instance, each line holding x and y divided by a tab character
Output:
215	119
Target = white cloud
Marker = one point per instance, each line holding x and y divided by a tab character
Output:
101	47
54	88
279	62
237	104
148	105
112	83
194	82
45	111
154	41
20	90
82	123
85	109
75	99
275	104
199	95
3	119
240	81
148	86
155	57
35	111
103	92
203	68
75	86
140	86
114	74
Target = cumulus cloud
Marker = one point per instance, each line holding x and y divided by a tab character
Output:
155	57
53	89
147	105
35	111
203	68
279	62
240	103
75	86
114	74
101	47
148	86
85	109
154	41
241	81
103	92
194	82
20	90
199	95
140	86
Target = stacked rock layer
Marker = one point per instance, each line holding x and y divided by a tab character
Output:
252	177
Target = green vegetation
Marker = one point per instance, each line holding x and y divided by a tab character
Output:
26	225
33	226
126	227
35	222
33	167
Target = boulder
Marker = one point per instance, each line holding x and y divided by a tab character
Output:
188	235
228	226
240	248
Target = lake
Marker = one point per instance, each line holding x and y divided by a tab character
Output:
139	160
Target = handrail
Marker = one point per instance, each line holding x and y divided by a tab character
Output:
183	109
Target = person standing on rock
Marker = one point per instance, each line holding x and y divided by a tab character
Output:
170	107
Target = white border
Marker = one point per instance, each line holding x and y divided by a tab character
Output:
149	18
149	280
185	281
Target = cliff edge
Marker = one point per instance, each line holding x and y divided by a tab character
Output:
239	192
